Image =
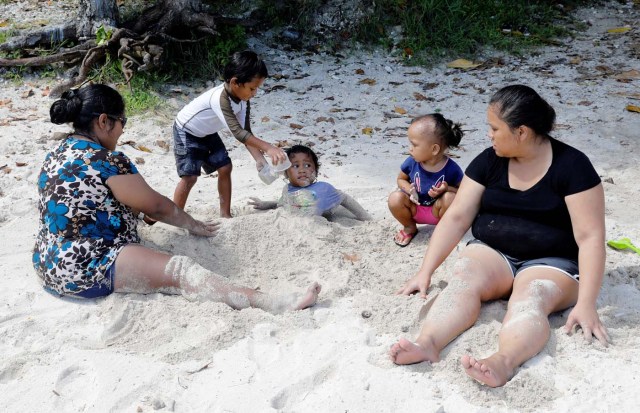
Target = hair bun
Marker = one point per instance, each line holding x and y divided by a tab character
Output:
454	133
67	108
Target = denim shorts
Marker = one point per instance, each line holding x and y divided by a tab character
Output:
100	289
195	153
564	265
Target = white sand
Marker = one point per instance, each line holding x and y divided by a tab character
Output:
157	352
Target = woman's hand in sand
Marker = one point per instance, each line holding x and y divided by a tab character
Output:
419	282
204	228
587	318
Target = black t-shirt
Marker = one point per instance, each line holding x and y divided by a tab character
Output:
534	223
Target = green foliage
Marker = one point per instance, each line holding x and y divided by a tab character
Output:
438	27
14	74
103	35
13	54
7	32
142	93
295	13
142	96
206	59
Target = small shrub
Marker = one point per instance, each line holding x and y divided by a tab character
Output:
141	95
205	59
438	27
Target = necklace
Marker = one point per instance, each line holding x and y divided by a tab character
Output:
91	138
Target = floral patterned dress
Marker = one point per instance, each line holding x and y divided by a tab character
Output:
83	226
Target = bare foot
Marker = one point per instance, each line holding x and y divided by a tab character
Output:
492	371
279	303
406	352
226	215
309	298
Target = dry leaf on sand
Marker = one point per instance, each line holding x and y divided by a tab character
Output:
619	30
367	81
462	64
400	110
351	257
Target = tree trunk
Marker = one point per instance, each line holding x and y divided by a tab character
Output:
96	13
175	18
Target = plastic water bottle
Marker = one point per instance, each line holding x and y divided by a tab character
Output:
269	173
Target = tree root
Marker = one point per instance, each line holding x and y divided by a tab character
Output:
139	45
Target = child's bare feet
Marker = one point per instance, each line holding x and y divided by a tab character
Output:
309	298
493	371
406	352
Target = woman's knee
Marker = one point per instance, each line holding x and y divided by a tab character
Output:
554	293
484	273
141	269
468	273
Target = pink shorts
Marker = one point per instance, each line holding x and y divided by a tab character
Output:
424	215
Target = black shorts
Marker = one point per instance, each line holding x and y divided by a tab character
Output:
195	153
564	265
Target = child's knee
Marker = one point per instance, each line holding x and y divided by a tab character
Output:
189	180
442	204
225	171
396	199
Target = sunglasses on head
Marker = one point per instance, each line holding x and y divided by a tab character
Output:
122	119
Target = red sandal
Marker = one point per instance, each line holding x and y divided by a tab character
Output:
404	238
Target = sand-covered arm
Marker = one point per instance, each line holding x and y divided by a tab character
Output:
355	208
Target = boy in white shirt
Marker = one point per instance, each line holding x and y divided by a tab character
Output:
197	144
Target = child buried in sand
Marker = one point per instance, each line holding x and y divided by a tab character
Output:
306	196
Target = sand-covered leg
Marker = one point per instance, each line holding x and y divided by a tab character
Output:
198	283
279	303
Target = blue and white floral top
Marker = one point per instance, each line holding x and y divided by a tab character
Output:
83	226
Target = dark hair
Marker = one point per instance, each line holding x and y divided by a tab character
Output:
81	106
448	132
519	105
306	150
245	66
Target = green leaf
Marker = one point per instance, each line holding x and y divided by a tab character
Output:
103	35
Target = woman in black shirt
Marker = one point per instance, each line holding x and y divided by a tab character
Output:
536	209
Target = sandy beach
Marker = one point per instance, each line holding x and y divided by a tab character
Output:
142	353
